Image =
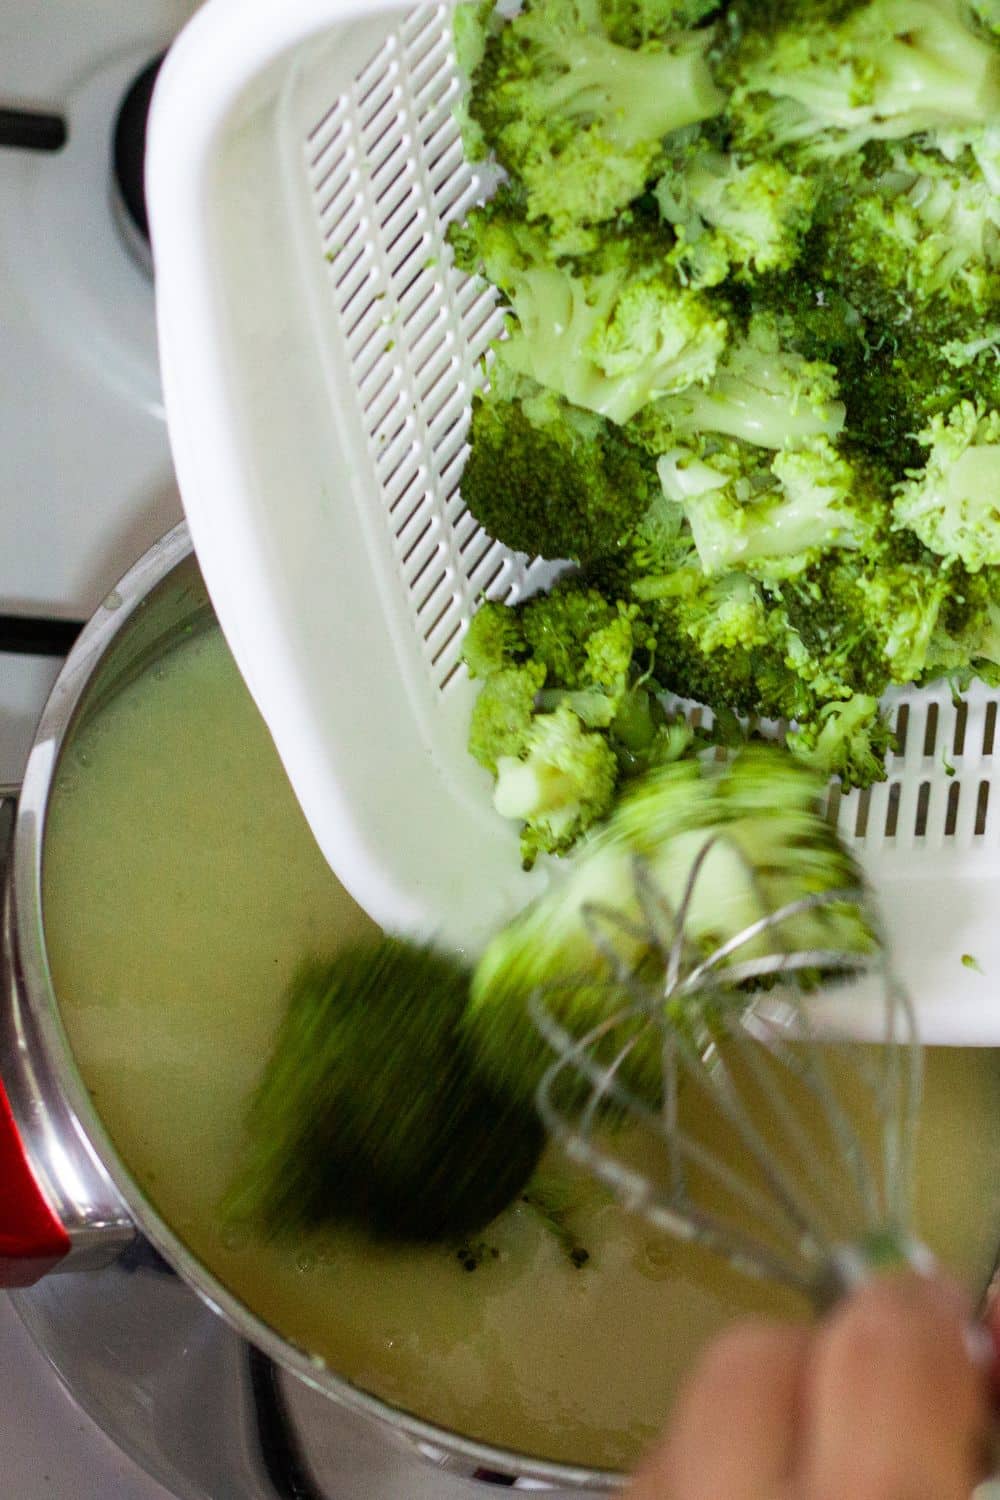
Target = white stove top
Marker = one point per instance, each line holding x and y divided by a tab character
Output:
50	1447
86	485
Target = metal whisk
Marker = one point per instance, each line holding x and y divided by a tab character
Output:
756	1133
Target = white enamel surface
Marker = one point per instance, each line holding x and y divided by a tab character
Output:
87	482
24	685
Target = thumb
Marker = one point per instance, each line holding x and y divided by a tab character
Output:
894	1401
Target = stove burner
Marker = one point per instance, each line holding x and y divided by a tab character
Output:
37	635
129	157
32	130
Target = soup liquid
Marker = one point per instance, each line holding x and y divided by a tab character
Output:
182	887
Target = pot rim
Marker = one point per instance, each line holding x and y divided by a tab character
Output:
25	881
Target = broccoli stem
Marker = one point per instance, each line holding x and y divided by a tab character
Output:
641	95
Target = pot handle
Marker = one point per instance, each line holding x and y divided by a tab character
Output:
59	1208
32	1238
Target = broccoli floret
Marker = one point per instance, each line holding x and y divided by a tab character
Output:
567	709
849	740
713	640
930	375
732	216
720	642
559	627
814	318
503	712
953	503
851	623
915	251
866	619
761	393
844	621
768	514
580	640
494	639
632	23
473	22
373	1109
919	378
988	12
548	478
578	118
890	69
898	288
610	331
604	680
770	845
965	643
930	229
720	614
562	781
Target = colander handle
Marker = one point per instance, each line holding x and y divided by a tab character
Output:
57	1208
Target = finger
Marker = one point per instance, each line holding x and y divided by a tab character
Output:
733	1429
893	1402
992	1324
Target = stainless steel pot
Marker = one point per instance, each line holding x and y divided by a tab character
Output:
207	1397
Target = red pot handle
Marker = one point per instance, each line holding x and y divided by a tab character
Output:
59	1209
32	1240
32	1237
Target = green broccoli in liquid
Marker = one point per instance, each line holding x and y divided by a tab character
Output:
373	1110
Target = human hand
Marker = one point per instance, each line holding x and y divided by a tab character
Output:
887	1399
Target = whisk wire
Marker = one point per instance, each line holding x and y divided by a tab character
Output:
809	1066
680	1217
820	1184
710	1070
683	1016
572	1056
677	947
771	964
906	1067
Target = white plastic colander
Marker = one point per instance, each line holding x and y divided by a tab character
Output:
319	354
